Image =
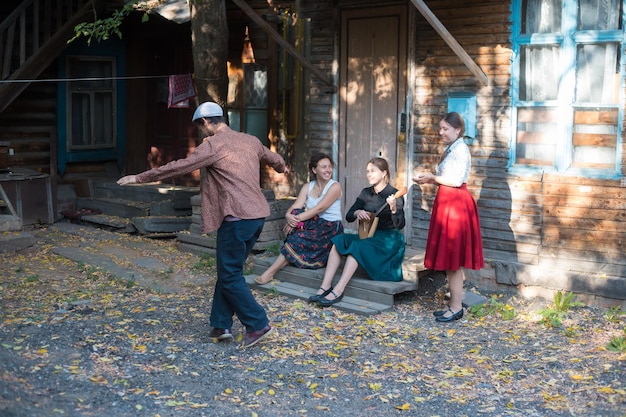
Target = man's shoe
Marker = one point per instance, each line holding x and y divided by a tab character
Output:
252	338
220	334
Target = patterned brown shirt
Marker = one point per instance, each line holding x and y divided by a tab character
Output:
231	185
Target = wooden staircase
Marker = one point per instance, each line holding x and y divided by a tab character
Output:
362	295
33	36
152	210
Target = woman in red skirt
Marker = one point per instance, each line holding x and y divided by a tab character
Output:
454	239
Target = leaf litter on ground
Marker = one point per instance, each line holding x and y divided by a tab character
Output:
77	340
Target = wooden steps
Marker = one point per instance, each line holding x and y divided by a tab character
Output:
350	304
362	295
152	210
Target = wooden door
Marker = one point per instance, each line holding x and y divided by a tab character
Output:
371	96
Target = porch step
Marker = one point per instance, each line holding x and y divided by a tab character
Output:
193	240
362	295
118	207
153	210
349	304
10	223
114	223
14	242
179	196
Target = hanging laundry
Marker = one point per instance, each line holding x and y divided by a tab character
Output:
182	88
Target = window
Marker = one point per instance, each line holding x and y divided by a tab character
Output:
91	103
566	83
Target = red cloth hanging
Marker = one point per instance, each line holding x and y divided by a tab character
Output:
182	88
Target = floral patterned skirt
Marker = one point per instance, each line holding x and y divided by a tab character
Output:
308	247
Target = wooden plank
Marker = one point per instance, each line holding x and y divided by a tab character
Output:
593	165
536	115
349	304
587	212
584	190
584	202
309	281
563	236
595	139
612	255
360	279
541	138
529	161
608	226
612	185
588	117
8	53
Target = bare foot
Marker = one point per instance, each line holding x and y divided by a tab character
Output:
262	279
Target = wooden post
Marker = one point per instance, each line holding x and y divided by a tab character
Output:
279	39
449	39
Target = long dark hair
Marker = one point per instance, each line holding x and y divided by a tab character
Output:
381	163
456	121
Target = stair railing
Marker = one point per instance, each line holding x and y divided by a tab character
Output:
33	35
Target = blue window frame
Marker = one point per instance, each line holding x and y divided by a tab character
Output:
567	83
91	109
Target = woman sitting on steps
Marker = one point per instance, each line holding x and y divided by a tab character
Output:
380	255
312	220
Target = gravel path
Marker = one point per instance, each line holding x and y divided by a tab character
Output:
130	340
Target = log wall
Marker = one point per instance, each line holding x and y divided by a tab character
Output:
552	231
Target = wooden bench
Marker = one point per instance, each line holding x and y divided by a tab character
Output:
362	295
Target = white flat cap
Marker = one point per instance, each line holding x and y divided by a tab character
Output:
207	109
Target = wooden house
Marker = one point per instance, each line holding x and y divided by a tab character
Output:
541	84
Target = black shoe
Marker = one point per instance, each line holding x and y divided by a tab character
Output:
440	313
315	298
454	316
325	302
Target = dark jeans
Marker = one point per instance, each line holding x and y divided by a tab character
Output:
232	295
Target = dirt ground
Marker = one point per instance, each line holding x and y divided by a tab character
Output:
131	340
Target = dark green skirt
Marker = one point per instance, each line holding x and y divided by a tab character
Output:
380	255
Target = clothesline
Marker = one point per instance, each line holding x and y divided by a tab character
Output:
139	77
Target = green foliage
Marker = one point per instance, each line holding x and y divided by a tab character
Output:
103	29
493	307
617	343
205	264
130	283
32	278
553	316
273	249
90	271
614	314
564	303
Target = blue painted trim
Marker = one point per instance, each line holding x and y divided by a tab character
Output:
111	48
567	42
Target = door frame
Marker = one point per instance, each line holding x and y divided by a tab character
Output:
402	165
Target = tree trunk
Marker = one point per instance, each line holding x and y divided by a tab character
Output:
209	36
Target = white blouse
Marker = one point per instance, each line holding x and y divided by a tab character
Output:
456	163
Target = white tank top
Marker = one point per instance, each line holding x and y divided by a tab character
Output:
333	212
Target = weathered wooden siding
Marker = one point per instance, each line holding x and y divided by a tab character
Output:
553	231
482	29
320	115
29	125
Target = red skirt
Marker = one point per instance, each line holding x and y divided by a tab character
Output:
454	238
